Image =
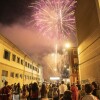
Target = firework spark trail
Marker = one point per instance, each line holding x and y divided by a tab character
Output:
54	18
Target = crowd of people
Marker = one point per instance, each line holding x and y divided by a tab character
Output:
50	91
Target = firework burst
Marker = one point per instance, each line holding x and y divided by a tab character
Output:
54	18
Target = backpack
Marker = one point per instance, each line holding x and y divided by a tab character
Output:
5	93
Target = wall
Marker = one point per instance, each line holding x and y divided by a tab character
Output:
88	32
86	18
28	73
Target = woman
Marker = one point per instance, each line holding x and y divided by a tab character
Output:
74	90
34	92
43	91
82	92
67	95
94	87
25	93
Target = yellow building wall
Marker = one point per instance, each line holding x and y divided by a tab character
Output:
10	69
13	66
89	58
88	33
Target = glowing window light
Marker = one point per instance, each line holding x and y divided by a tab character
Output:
54	78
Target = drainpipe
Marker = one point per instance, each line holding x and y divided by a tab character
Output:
32	71
24	69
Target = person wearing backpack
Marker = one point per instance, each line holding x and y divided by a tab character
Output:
5	92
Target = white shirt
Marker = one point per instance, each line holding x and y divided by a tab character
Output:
62	88
89	97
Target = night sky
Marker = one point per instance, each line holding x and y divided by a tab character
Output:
15	11
14	14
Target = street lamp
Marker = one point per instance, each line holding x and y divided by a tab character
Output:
67	45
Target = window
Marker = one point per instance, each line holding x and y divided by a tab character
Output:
20	75
38	70
74	52
22	61
33	67
18	60
16	75
4	73
30	66
33	78
26	64
38	79
30	77
12	74
13	57
6	55
25	76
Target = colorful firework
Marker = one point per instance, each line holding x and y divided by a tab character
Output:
54	18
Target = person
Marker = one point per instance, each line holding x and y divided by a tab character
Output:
25	93
74	90
67	95
34	91
82	92
62	88
68	86
55	92
5	92
43	91
94	87
78	85
89	95
50	92
16	93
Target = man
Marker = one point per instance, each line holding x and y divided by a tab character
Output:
5	92
62	88
88	90
95	89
